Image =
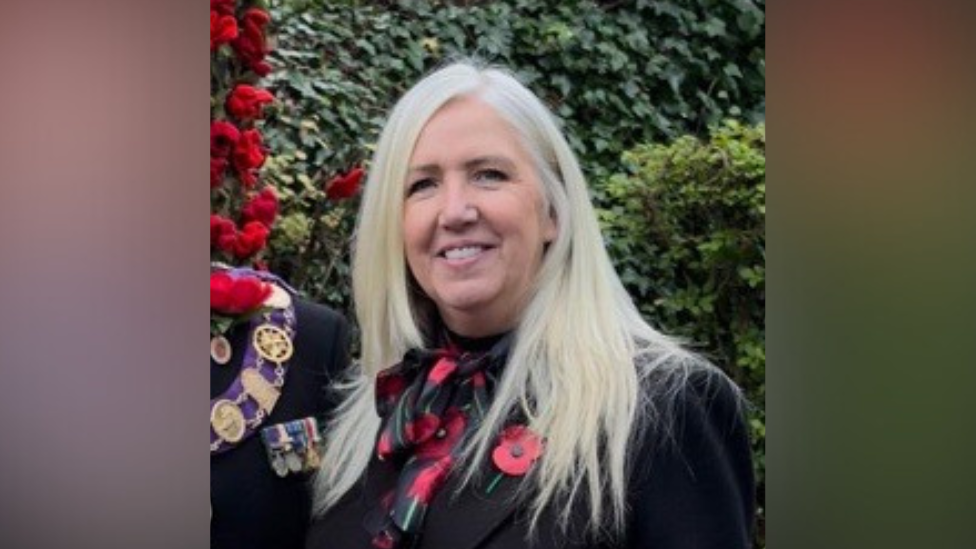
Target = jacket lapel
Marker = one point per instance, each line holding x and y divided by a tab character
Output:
457	519
381	478
462	520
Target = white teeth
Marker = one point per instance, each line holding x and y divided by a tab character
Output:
463	253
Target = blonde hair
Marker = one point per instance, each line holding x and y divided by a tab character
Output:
581	366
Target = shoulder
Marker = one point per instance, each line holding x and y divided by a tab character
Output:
693	476
710	398
322	337
696	415
318	315
691	394
319	325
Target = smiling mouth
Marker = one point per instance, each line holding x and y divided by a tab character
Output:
462	253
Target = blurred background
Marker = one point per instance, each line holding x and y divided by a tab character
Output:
872	309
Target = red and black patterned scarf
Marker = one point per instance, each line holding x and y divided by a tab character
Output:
429	403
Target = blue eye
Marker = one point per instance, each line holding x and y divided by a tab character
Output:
490	176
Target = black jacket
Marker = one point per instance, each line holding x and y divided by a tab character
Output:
696	492
253	507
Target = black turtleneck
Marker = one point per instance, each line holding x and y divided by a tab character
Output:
474	344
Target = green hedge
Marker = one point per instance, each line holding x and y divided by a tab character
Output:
687	228
619	74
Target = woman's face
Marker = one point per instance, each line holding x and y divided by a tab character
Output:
474	219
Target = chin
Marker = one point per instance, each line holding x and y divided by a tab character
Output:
471	300
463	304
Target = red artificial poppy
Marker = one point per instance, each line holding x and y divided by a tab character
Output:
262	208
223	138
227	240
248	156
221	285
247	102
251	44
223	233
518	448
223	29
251	240
345	186
224	7
257	17
236	296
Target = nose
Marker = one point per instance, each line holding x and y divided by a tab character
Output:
458	208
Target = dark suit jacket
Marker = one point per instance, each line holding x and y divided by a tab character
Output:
696	492
253	507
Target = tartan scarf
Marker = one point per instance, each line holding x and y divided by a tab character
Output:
428	403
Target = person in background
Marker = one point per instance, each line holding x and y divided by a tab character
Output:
509	394
272	356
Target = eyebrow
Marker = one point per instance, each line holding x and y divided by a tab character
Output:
474	163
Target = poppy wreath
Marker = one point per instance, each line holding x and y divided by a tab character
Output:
243	208
245	205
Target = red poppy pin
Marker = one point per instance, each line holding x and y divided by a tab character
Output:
518	448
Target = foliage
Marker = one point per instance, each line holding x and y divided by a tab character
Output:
618	74
687	227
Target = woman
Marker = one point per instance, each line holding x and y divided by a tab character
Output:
510	393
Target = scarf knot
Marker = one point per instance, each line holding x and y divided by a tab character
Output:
428	403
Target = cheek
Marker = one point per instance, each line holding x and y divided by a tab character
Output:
412	231
417	269
415	239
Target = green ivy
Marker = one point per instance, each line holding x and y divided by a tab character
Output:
617	73
686	226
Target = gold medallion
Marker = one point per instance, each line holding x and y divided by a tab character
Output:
262	391
227	421
273	343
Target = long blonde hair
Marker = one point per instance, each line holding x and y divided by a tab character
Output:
585	369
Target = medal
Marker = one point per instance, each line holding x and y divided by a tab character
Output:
273	344
220	350
294	462
260	389
312	460
227	421
278	465
293	447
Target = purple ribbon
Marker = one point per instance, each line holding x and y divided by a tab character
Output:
280	318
